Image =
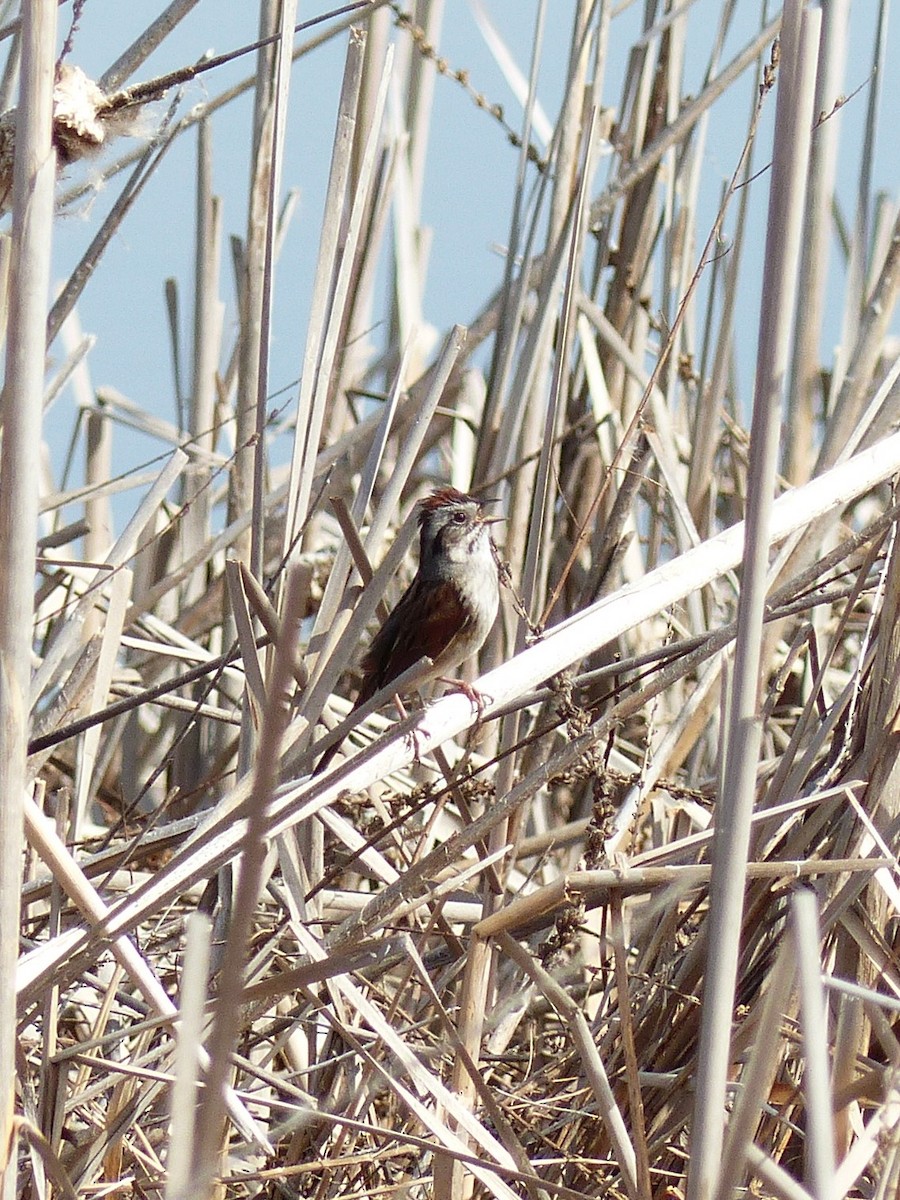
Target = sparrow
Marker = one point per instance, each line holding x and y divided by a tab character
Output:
449	607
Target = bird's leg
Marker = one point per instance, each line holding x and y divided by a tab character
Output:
417	739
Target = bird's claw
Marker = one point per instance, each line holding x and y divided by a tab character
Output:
478	700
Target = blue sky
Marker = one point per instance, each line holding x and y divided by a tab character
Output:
469	184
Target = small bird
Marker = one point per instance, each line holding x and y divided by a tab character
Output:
449	608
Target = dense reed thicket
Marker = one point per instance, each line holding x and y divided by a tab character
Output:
629	926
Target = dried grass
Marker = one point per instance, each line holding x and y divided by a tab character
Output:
633	930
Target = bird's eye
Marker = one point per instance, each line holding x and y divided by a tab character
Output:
459	518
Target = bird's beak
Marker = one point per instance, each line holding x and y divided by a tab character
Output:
492	520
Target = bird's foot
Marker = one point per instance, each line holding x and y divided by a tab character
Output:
478	700
417	739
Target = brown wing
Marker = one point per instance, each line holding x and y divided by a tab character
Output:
426	621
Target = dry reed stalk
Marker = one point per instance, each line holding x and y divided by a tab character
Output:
814	261
312	383
820	1157
800	39
792	125
32	204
